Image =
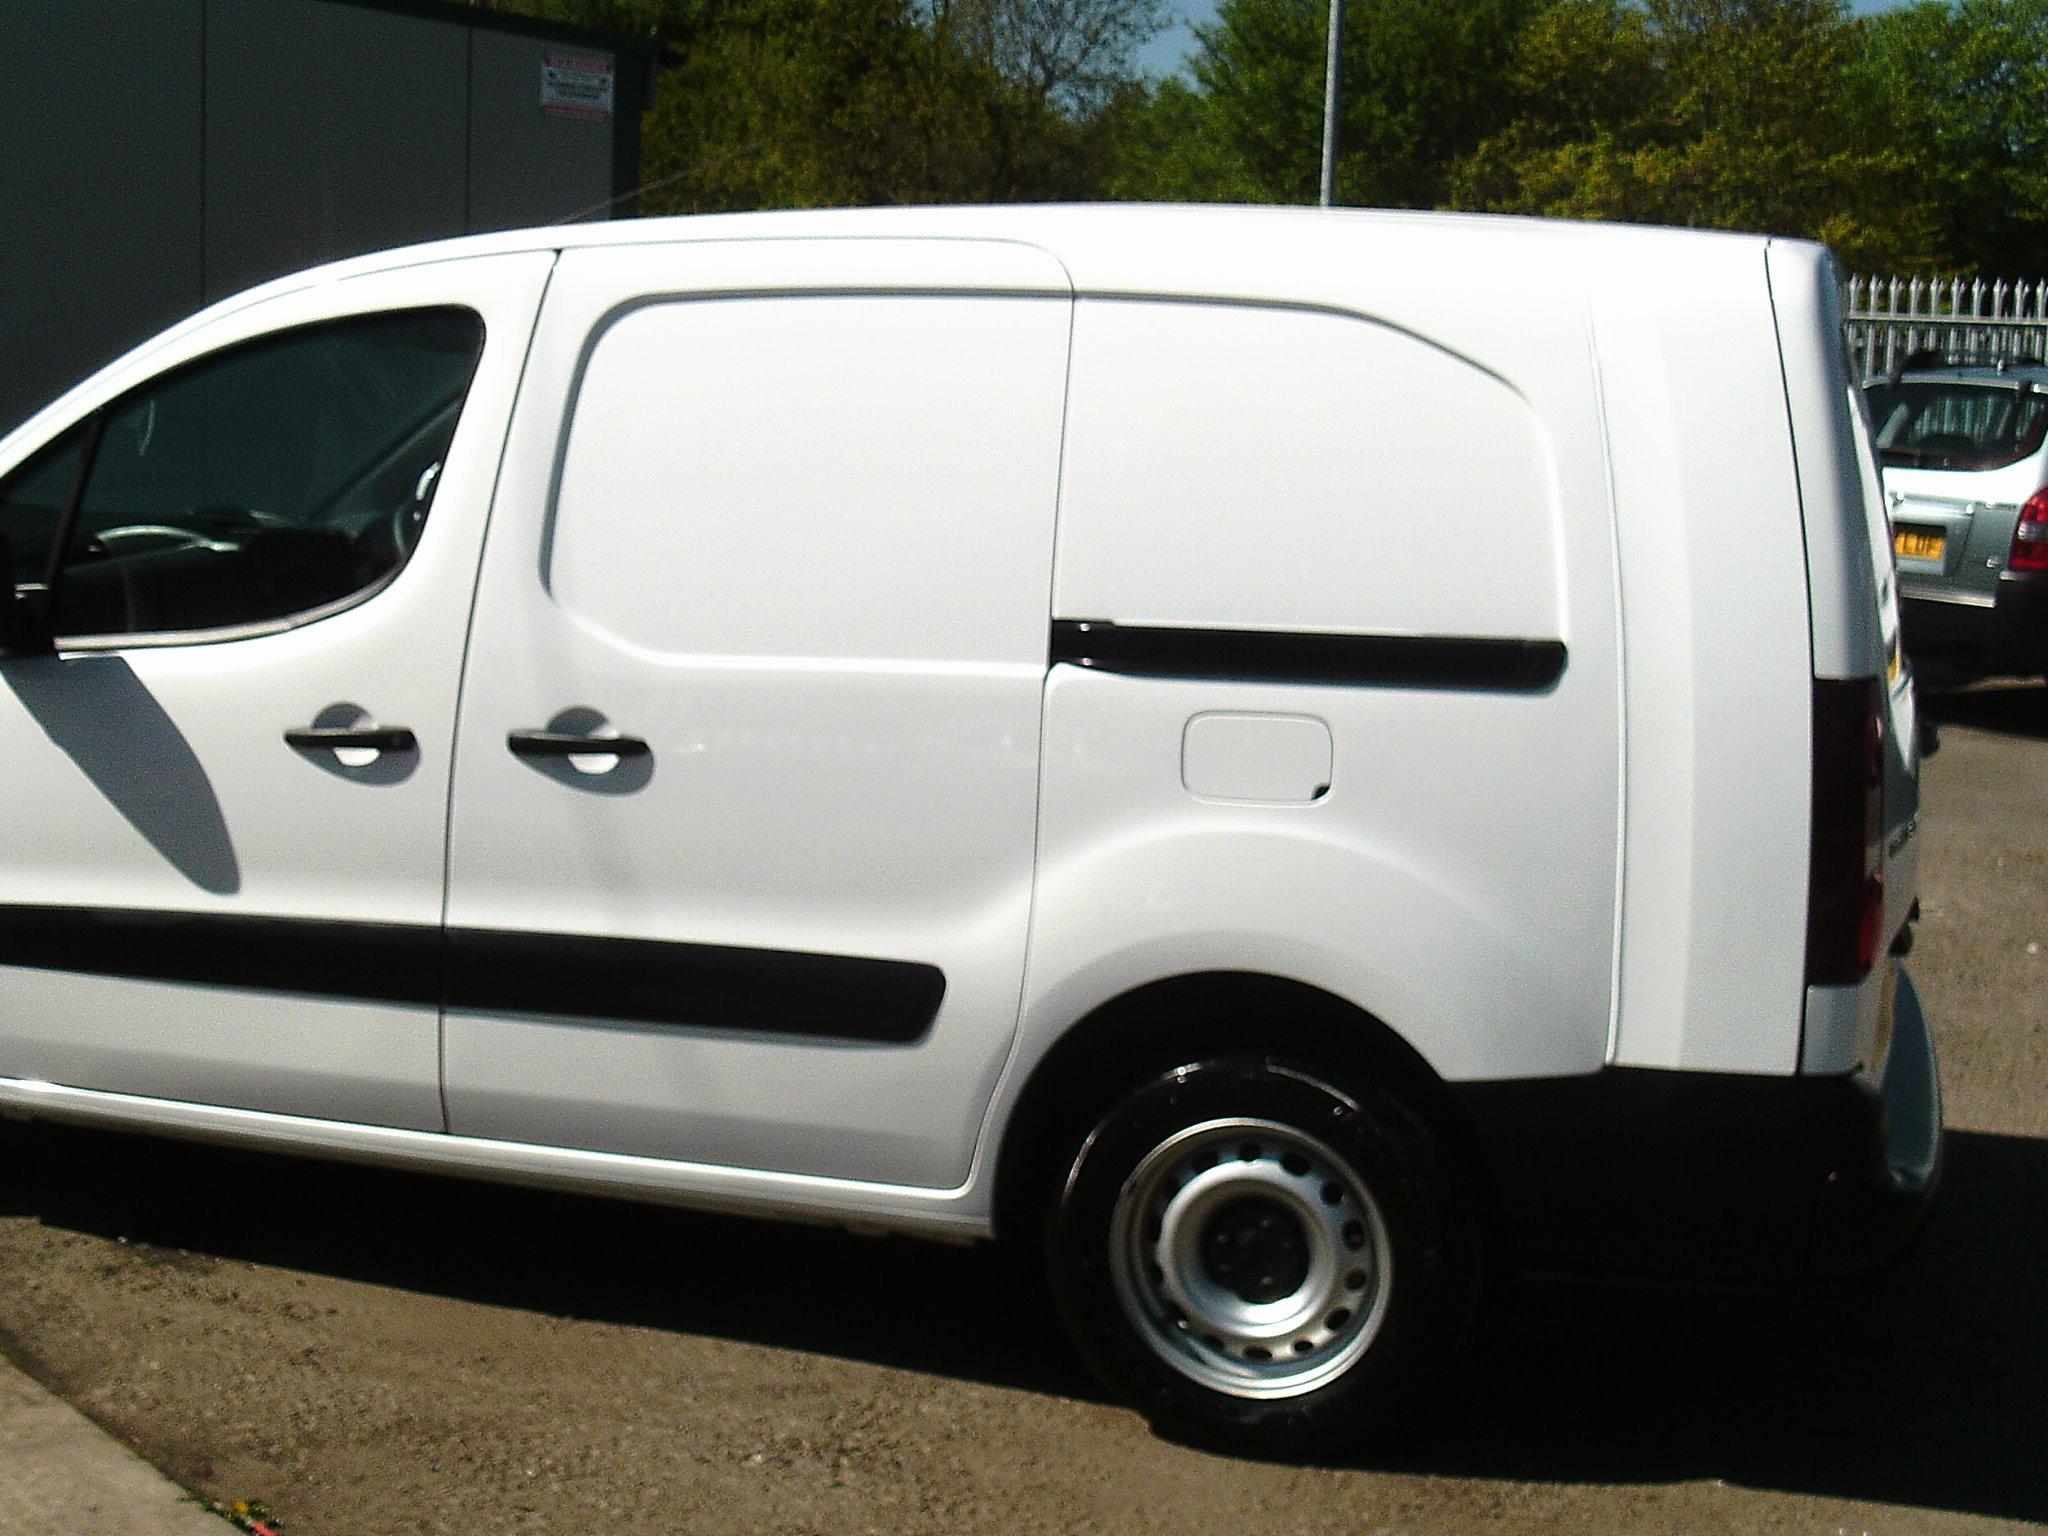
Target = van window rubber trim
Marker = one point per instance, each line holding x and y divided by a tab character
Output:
1296	656
643	981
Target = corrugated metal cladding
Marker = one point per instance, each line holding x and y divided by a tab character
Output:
158	154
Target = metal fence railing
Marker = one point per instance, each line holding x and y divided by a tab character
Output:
1968	320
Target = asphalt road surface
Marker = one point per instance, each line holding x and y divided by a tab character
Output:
369	1352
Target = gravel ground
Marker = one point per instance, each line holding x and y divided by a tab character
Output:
369	1352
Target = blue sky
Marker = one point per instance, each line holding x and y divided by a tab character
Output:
1164	54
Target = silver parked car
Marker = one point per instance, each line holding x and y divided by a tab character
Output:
1964	453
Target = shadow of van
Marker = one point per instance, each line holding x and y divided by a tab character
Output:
99	713
1923	1387
2007	708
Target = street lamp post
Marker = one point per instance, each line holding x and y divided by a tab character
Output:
1332	70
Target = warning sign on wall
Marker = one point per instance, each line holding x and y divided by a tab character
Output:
573	86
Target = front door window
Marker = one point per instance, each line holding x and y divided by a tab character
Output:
264	485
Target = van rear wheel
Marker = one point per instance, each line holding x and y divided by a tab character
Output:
1256	1255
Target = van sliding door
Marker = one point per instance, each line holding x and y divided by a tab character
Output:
745	801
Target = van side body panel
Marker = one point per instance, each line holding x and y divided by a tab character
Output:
1340	443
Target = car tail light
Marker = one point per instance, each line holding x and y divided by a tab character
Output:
1845	896
2030	538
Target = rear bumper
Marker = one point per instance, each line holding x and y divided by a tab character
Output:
2006	638
1875	1206
1716	1178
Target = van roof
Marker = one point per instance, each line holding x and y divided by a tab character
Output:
1083	236
1101	244
1054	224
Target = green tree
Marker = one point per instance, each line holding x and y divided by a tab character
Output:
1164	147
1422	86
1963	92
1726	114
807	103
1076	55
818	102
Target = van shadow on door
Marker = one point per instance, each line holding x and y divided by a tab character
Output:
101	716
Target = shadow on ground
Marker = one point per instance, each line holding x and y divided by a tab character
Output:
1925	1387
2010	709
892	1301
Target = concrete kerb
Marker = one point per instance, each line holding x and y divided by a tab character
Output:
61	1473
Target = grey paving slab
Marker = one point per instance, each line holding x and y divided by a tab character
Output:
61	1474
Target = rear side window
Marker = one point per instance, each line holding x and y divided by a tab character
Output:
1955	424
261	484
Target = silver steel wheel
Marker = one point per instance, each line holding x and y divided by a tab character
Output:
1251	1258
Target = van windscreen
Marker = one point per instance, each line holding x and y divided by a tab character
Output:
1956	423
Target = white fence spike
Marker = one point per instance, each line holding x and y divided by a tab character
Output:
1887	319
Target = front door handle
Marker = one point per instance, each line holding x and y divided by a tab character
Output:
569	744
375	738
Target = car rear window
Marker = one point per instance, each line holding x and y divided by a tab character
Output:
1956	424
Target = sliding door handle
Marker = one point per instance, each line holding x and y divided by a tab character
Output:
569	744
376	738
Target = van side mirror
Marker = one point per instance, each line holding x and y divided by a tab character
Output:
24	612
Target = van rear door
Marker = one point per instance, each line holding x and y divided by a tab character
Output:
1869	752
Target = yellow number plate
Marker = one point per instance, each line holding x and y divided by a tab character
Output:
1920	543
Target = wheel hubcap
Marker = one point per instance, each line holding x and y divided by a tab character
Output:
1255	1248
1251	1258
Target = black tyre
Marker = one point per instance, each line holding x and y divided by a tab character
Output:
1257	1257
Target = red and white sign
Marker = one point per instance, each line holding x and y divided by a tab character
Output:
576	86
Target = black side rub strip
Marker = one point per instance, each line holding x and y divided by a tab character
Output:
704	986
696	986
1287	656
369	962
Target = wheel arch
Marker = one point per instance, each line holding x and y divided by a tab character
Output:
1108	1053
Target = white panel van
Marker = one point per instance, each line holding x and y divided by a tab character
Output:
1286	760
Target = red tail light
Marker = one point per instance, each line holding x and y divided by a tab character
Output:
2030	538
1845	896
